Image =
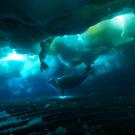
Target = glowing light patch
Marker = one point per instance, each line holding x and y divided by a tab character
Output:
65	36
107	63
32	57
119	20
62	97
65	97
29	68
14	56
79	37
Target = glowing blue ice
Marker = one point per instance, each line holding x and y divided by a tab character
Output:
14	56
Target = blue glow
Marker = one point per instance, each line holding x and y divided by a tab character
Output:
65	97
119	20
32	57
14	56
62	97
79	37
30	68
107	63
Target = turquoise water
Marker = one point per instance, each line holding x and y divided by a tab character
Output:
89	49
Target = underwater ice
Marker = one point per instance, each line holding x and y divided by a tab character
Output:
20	67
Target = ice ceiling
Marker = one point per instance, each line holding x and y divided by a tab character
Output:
25	27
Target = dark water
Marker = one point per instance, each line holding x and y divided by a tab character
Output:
102	104
94	114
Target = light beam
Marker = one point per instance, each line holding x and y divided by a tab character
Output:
14	56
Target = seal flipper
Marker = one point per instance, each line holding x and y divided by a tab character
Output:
42	56
44	45
43	66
